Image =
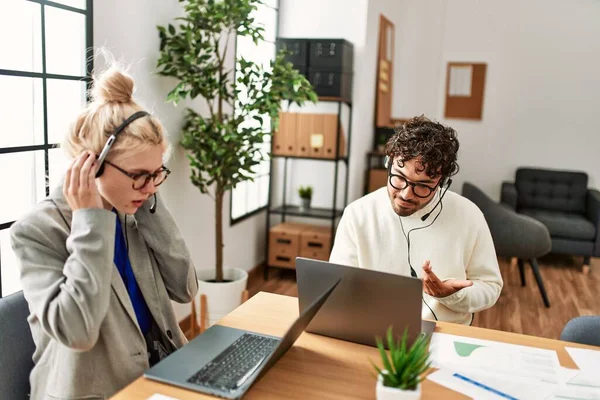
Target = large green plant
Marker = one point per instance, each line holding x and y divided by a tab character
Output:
224	146
405	365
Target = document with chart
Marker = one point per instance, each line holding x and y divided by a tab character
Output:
463	353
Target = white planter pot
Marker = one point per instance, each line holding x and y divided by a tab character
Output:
389	393
221	298
305	204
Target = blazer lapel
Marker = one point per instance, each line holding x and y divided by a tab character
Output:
120	290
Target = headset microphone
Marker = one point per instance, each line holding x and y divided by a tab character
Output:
424	217
153	207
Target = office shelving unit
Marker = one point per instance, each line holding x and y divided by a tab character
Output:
284	209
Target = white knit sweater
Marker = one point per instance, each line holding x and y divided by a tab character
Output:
458	244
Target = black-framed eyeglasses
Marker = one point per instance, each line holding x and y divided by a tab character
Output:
142	179
420	190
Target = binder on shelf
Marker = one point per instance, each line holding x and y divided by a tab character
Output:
304	128
284	138
330	124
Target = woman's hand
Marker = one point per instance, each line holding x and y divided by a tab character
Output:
80	183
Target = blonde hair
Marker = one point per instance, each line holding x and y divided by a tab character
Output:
112	103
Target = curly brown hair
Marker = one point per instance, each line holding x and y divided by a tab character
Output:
434	144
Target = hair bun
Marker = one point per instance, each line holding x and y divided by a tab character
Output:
113	85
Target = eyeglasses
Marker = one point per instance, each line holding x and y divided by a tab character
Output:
399	182
141	180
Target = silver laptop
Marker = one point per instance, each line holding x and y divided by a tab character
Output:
225	361
365	303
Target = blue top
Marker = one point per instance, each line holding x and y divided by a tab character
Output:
142	312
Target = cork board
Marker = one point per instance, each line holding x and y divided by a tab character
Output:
465	88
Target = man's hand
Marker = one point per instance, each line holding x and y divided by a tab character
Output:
433	286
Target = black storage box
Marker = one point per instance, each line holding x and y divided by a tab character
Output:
299	51
330	83
331	54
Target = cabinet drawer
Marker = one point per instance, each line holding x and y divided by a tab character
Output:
281	257
316	239
322	255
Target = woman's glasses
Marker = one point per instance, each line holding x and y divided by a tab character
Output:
142	179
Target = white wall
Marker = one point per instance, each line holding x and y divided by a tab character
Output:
128	30
541	96
343	19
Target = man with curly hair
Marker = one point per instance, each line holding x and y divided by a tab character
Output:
416	227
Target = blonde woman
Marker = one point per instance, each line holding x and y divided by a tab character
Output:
101	258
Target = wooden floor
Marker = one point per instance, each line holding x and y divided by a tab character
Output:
519	309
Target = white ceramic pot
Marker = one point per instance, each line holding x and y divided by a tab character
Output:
221	298
305	204
390	393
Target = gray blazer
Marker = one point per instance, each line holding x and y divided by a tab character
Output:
88	342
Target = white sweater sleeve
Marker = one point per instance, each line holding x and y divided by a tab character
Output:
345	250
482	269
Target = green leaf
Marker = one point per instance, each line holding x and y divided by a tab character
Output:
384	356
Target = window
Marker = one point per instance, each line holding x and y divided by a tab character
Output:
44	77
251	197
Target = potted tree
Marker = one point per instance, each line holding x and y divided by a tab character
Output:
305	193
403	368
223	146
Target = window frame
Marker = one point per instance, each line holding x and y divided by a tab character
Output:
261	208
44	76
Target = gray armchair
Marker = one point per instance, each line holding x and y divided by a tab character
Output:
16	347
584	330
514	235
562	201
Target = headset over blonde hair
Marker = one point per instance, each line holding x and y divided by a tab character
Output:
112	103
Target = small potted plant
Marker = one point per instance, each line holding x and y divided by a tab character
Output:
305	193
403	368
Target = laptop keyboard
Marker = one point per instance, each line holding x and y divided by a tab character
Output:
229	370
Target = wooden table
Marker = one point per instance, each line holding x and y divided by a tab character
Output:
318	367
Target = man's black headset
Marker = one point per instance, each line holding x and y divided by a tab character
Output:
111	140
445	182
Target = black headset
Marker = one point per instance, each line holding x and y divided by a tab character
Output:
111	140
